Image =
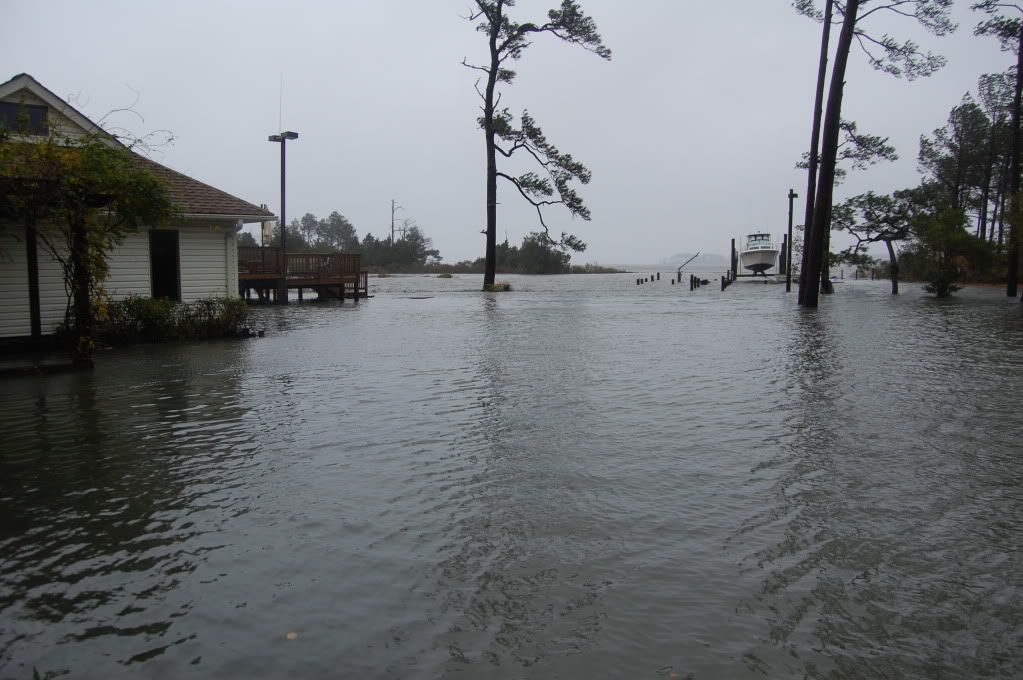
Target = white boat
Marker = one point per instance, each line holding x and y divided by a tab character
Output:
758	254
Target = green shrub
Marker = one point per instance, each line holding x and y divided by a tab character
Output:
135	319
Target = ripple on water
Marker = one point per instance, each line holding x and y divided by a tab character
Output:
579	479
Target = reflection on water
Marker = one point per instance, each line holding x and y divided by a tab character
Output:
583	479
887	550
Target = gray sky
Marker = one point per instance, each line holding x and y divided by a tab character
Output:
691	131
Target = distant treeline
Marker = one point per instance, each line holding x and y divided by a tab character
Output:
413	251
536	255
410	251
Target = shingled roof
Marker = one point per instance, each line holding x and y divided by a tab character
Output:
193	197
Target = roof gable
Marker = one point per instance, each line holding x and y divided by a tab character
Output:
192	197
71	121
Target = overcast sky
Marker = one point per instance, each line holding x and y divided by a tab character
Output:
691	130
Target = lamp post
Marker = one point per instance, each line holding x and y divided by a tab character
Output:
282	290
788	255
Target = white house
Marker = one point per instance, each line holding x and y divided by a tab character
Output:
196	257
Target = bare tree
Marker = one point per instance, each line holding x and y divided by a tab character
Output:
885	53
507	40
813	155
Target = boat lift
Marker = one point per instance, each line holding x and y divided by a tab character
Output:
685	263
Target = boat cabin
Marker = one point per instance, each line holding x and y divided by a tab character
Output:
759	242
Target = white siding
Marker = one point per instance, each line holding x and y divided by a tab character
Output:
231	245
203	257
208	258
53	298
129	268
15	317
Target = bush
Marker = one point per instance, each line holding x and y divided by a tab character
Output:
498	287
136	319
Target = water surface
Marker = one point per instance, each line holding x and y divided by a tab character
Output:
582	478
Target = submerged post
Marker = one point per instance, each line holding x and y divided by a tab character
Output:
782	260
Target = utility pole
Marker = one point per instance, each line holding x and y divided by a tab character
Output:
394	208
788	255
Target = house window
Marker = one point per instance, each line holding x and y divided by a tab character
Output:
24	118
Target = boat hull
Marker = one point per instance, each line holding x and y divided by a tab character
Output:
758	261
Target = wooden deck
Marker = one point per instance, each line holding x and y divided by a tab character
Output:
336	275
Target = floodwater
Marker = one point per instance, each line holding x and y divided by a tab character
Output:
583	478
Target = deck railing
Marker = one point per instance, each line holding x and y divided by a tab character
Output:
253	260
256	262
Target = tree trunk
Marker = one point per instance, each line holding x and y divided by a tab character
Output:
1001	224
1014	166
998	218
82	349
826	286
829	152
815	135
985	191
893	267
490	262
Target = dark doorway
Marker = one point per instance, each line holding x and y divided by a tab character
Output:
163	261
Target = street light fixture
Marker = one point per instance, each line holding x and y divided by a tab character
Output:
282	291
